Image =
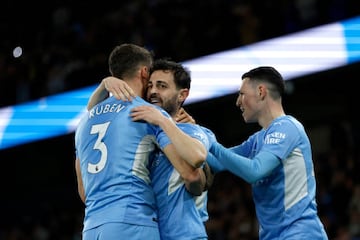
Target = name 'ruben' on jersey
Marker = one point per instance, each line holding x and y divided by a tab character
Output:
106	108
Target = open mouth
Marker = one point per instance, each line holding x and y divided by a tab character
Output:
154	101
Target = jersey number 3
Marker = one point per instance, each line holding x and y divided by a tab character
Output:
100	130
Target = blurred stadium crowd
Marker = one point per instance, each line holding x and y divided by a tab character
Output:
65	45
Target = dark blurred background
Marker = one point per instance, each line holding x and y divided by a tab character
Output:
65	46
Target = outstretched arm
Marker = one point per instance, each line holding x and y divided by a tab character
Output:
214	164
251	170
117	87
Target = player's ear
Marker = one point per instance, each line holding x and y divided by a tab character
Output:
144	72
262	91
183	94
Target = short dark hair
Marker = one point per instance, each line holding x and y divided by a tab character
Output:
181	74
125	60
268	75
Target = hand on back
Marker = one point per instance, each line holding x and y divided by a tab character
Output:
119	88
147	113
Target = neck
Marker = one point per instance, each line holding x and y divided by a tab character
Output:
272	113
137	86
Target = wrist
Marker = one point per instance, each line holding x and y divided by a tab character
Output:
165	122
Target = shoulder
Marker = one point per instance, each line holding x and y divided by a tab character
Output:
206	130
286	121
195	131
191	129
285	127
139	101
189	126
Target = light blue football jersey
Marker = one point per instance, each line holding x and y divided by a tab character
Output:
115	155
285	199
179	215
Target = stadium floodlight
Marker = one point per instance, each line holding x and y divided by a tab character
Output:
294	55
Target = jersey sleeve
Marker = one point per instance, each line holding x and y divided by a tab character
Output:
245	148
251	170
214	164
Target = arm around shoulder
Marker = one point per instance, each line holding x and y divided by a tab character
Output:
117	87
98	95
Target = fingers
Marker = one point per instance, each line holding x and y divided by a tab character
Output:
127	92
183	117
121	93
140	108
135	116
138	112
180	118
119	89
180	115
145	113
